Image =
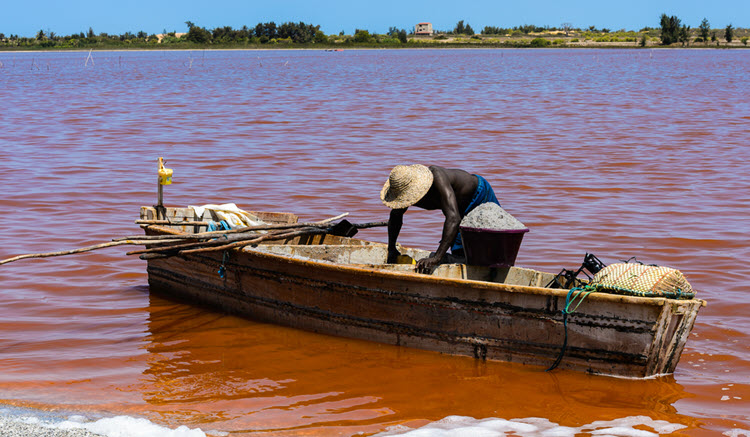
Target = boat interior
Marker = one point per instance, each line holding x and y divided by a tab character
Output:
351	251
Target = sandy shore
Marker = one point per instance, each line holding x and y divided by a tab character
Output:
13	427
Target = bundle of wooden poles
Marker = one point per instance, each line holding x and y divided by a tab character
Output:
166	245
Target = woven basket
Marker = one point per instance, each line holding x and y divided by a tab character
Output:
643	280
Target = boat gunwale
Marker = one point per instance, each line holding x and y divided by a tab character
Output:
423	278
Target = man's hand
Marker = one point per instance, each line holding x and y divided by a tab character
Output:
427	265
393	256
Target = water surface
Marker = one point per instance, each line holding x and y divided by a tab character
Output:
616	152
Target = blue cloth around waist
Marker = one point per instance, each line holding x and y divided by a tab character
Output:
483	194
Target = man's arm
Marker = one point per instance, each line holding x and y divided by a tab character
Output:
449	206
395	221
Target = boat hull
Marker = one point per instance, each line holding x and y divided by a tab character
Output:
608	334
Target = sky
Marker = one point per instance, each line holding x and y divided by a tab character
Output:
65	17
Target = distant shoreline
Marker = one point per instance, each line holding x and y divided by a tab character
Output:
416	47
586	40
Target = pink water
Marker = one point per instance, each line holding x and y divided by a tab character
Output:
616	152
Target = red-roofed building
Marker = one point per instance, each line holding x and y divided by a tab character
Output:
423	29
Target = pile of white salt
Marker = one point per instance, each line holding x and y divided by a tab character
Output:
491	216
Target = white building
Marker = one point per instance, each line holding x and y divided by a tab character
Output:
423	29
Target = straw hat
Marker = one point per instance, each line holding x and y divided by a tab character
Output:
406	185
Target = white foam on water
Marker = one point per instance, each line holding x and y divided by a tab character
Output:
118	426
126	426
460	426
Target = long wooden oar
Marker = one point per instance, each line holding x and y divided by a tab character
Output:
81	250
266	237
166	247
243	229
212	234
239	240
220	241
277	236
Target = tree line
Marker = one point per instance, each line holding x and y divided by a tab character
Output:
672	31
261	33
299	33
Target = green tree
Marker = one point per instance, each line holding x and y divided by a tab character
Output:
463	29
266	29
729	33
402	36
320	37
40	35
493	30
189	24
459	27
198	35
362	36
685	35
643	40
299	33
704	29
670	29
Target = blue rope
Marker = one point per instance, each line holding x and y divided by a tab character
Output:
222	225
222	267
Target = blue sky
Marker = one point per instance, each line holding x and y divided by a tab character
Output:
65	17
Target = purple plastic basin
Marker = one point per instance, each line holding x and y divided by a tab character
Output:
491	247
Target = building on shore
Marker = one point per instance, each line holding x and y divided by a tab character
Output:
423	29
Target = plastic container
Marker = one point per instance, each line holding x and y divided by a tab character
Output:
165	174
491	247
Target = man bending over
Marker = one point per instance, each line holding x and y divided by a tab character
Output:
455	192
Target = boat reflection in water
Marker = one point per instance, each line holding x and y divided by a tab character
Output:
231	374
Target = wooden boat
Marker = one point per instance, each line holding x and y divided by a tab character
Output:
342	286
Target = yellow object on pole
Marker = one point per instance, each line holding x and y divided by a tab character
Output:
165	174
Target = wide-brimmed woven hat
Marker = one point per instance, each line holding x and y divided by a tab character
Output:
406	185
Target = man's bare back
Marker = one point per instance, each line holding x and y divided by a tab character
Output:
451	192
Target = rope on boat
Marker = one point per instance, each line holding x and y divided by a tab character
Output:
223	267
579	293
